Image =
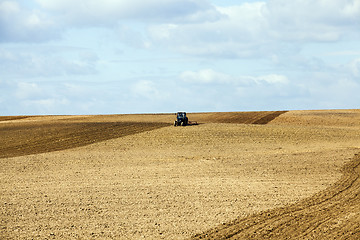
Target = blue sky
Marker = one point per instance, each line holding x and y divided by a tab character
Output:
113	56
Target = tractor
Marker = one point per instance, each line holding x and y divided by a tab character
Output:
181	119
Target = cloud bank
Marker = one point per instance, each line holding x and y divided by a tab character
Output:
79	57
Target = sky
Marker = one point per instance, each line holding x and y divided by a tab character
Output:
160	56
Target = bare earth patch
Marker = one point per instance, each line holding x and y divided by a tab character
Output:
176	182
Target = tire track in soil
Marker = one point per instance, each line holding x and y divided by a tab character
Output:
33	138
331	214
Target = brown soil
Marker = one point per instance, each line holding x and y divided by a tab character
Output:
135	176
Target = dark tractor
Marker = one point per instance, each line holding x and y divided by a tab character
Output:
181	119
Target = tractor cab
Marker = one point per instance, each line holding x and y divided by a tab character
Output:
181	115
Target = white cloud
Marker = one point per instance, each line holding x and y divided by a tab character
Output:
343	53
237	34
44	106
210	90
209	76
54	61
272	79
205	76
338	93
22	98
96	12
306	20
262	29
56	97
148	90
19	24
48	20
28	91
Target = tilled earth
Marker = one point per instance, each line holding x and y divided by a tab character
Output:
136	176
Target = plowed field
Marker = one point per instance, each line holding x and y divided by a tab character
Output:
40	137
48	133
251	175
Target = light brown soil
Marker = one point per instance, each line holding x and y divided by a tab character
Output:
176	182
331	214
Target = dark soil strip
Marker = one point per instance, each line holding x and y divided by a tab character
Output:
261	117
8	118
268	118
330	214
33	138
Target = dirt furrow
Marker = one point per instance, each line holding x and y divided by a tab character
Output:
310	218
